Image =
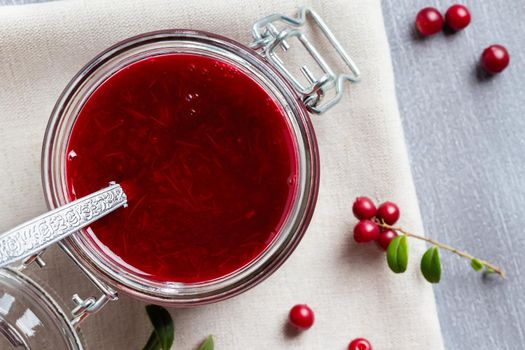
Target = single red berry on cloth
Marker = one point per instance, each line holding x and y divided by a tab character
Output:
366	231
429	21
385	238
388	212
495	59
301	316
457	17
359	344
364	208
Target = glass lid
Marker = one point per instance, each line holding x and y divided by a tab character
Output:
30	318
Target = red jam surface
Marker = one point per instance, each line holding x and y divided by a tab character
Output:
206	158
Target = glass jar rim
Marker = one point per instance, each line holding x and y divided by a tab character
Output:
146	45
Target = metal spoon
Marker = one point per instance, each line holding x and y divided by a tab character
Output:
36	234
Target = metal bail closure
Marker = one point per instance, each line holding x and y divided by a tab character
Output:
27	241
267	38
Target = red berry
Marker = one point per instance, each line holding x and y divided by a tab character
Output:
388	212
385	238
301	316
457	17
364	208
359	344
429	21
366	231
495	59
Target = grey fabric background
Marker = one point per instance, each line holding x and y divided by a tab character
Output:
466	138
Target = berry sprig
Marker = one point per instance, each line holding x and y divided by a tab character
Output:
376	224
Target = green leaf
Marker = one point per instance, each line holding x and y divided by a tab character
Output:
397	254
153	342
162	324
488	270
476	264
431	265
208	344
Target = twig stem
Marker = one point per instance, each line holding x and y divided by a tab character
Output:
466	255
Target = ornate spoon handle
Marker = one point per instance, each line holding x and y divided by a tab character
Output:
36	234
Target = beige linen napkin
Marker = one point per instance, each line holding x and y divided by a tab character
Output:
362	152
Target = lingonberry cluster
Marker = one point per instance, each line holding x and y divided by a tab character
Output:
367	229
376	224
302	317
429	21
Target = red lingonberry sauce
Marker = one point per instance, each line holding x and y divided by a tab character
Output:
207	160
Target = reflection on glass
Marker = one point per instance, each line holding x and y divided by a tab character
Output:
28	322
6	301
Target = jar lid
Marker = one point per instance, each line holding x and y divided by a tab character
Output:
30	318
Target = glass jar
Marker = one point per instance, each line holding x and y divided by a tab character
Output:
261	64
202	44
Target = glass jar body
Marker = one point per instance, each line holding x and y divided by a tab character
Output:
250	63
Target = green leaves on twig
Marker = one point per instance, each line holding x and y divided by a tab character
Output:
163	333
431	265
480	266
397	258
397	254
163	330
